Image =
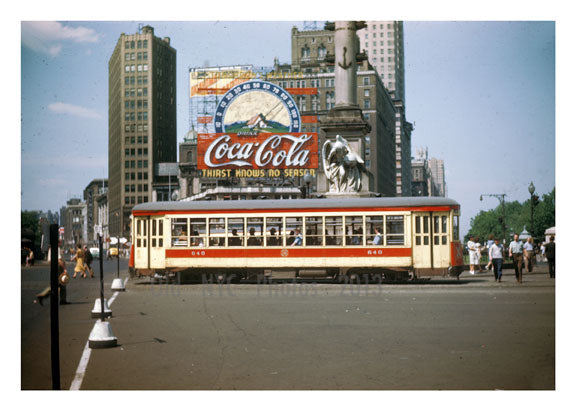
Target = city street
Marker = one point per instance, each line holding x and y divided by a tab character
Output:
75	321
471	334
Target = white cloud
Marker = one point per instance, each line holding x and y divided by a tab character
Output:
41	36
77	111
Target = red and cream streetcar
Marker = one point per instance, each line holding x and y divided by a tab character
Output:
306	238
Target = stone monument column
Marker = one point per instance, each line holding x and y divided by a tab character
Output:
344	128
345	66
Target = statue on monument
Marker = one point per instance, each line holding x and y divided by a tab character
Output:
342	166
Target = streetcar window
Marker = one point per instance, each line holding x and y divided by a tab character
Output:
235	232
153	227
198	232
373	223
418	228
314	231
292	223
216	232
160	227
394	230
138	227
444	230
436	224
255	226
333	230
179	232
354	230
455	228
426	224
273	231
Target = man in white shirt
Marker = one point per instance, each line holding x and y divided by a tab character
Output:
495	253
516	251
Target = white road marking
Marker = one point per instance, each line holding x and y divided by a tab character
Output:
81	370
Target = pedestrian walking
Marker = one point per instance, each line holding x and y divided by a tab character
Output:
63	279
489	244
496	256
479	250
88	261
472	254
516	252
551	257
79	257
543	252
528	254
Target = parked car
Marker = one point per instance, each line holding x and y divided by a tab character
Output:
95	251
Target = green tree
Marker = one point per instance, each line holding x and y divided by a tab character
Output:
30	227
517	217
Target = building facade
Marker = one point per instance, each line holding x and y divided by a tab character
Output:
428	177
101	223
142	123
73	218
91	193
420	175
383	41
436	167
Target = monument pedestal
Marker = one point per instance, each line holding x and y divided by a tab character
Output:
348	122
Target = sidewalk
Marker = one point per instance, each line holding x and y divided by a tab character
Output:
539	268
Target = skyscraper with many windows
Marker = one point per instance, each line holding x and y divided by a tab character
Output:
383	42
141	123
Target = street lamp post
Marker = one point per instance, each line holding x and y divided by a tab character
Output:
531	190
502	198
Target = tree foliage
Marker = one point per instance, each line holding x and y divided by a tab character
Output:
29	225
517	218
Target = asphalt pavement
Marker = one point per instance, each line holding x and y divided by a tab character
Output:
472	334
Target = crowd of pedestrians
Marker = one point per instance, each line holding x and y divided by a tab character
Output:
83	258
524	255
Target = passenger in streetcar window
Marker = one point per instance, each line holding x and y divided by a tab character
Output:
378	237
234	240
253	240
356	238
197	241
297	238
273	240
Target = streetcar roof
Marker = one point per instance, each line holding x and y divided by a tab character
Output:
309	203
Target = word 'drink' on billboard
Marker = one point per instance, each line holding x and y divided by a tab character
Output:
261	151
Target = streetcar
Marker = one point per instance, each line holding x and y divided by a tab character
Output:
332	238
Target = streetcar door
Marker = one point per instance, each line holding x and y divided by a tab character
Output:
157	254
421	241
440	243
141	244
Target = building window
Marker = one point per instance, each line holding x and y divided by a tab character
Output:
305	52
366	93
315	103
367	103
329	100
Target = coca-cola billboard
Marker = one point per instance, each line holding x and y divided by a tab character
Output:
261	151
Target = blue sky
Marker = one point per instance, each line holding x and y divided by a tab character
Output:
481	95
